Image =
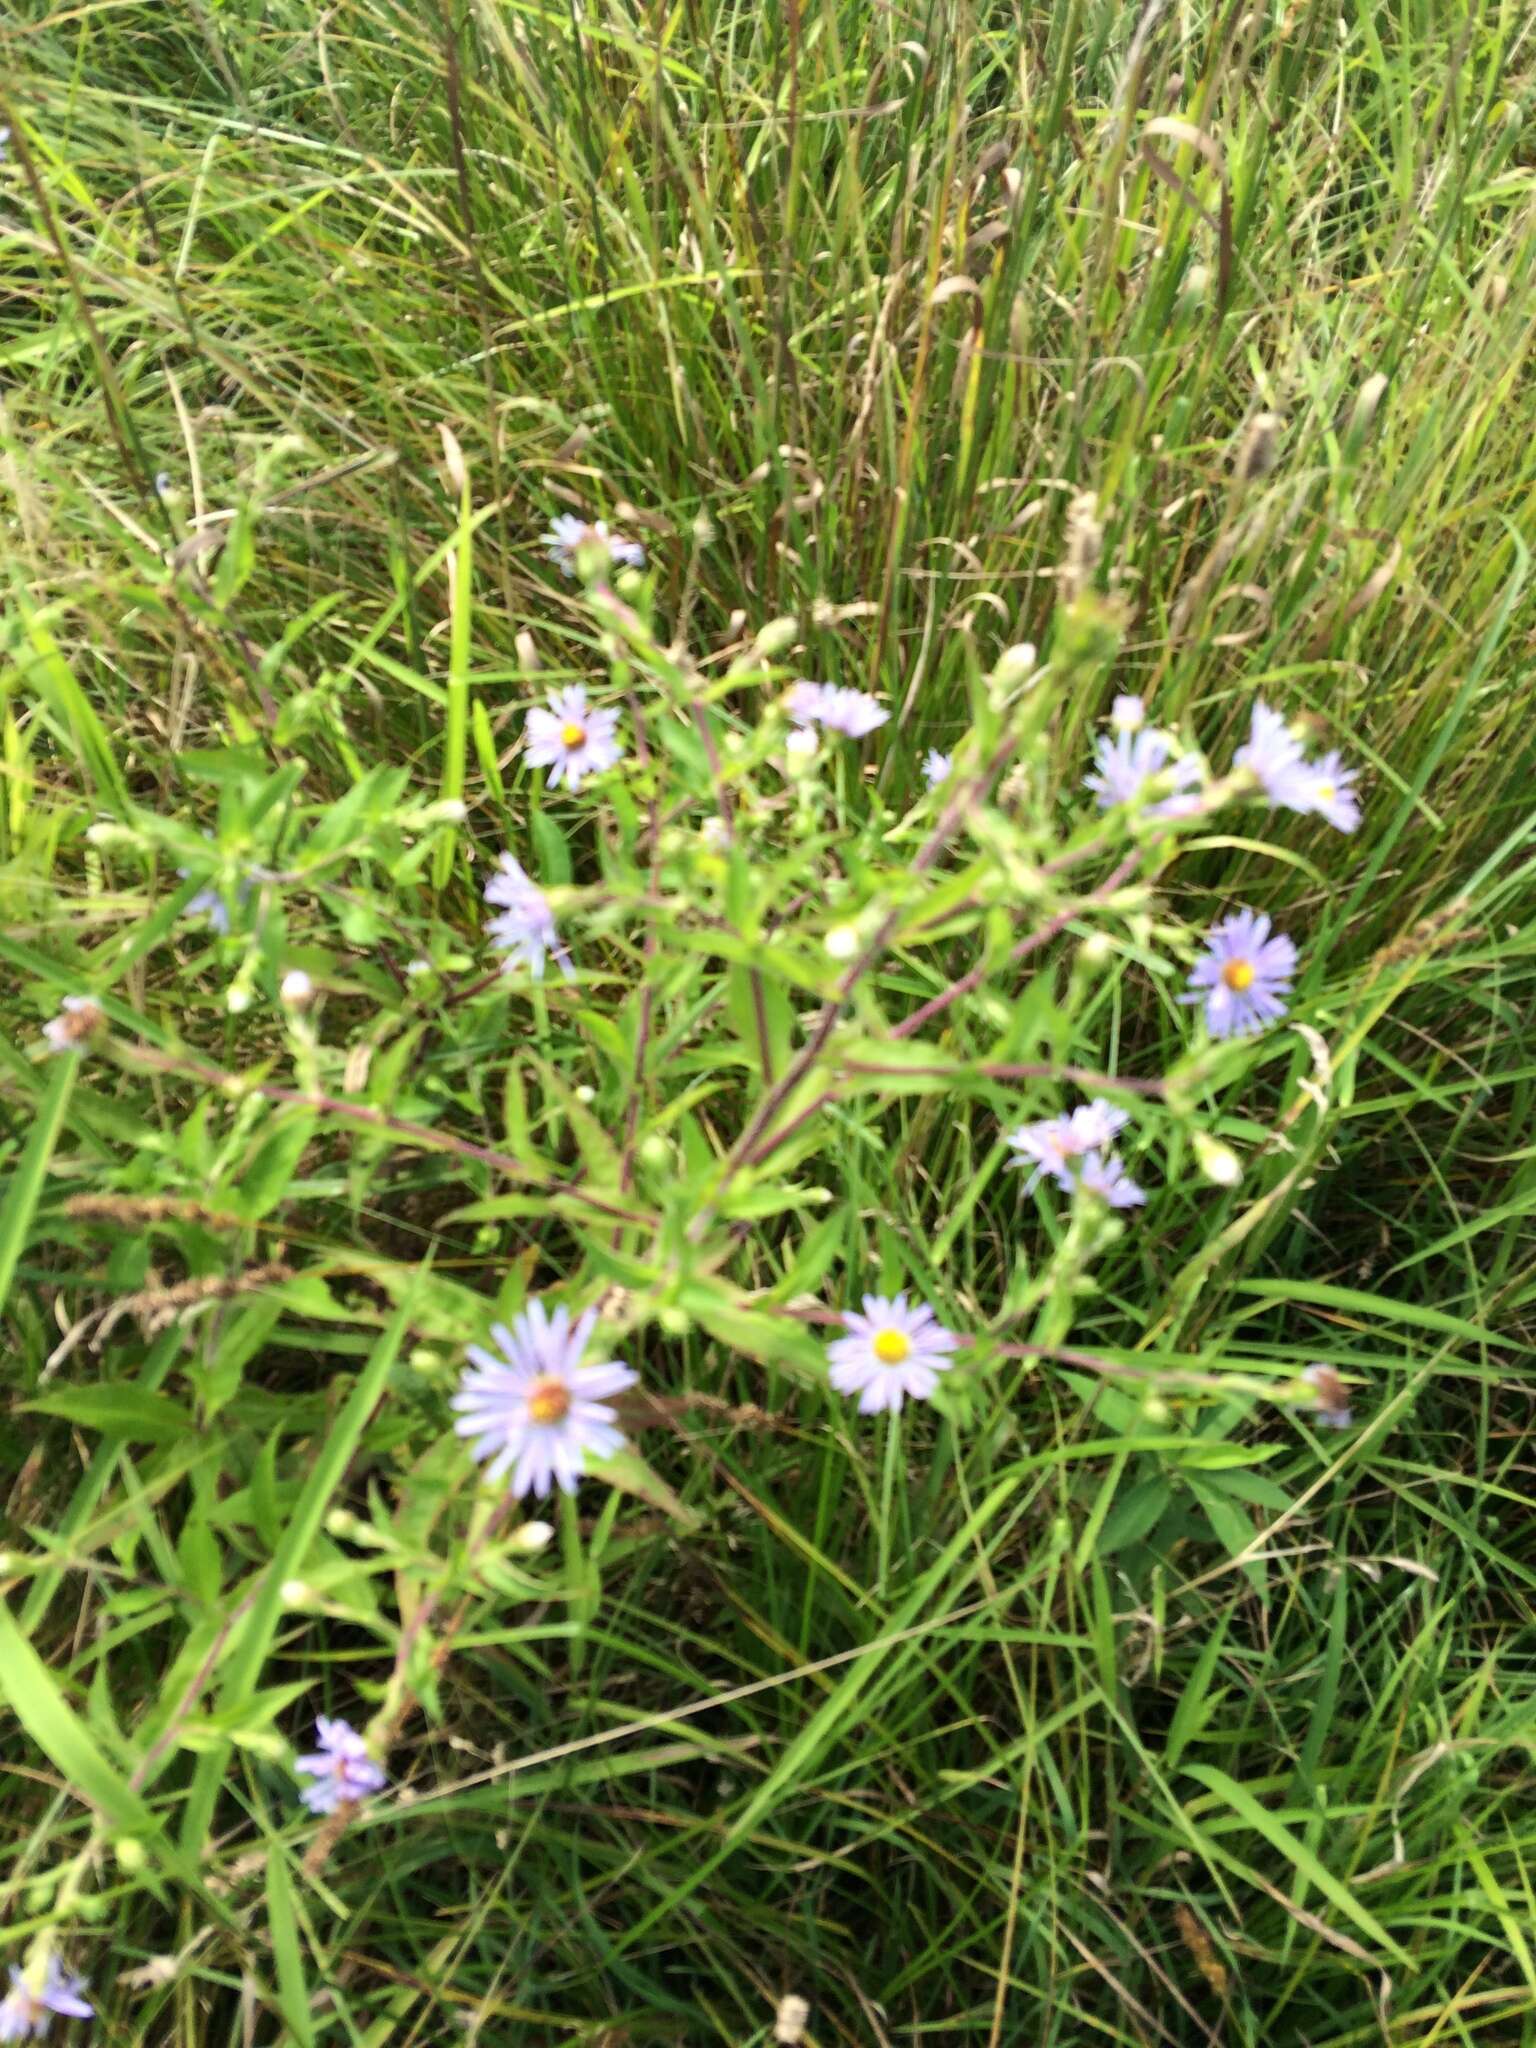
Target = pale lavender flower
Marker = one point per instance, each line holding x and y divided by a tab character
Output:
532	1413
5	144
1127	761
25	2010
571	738
1128	714
936	767
1333	1409
1274	758
1103	1174
850	712
1243	976
80	1018
568	535
1055	1144
1331	788
341	1767
892	1352
525	930
210	902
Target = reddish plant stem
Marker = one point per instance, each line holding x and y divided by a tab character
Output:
372	1119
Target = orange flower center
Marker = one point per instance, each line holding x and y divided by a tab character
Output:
549	1400
1238	975
573	735
892	1346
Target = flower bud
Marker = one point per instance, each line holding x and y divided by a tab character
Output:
296	989
777	637
1218	1162
531	1538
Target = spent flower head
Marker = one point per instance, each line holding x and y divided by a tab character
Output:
571	738
1333	1409
532	1412
525	929
892	1352
936	767
36	1995
1243	976
80	1019
569	539
342	1770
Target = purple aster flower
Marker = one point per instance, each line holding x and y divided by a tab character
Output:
571	738
532	1413
936	767
29	2005
1055	1144
525	930
568	536
1274	758
1331	789
1126	762
1333	1409
1243	976
79	1020
850	712
1128	714
210	902
1103	1174
891	1352
341	1767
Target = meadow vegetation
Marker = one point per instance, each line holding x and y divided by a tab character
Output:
1077	383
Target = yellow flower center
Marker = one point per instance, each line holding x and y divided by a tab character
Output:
1325	792
892	1346
549	1400
573	735
1238	975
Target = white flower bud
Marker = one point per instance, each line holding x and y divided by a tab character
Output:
237	1000
1014	664
715	834
1218	1162
801	747
531	1538
776	638
296	989
842	942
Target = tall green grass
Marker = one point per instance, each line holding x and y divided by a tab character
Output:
1110	1722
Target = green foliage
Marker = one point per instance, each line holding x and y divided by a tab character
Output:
1109	1696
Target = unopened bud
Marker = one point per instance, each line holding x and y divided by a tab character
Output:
1218	1162
296	989
777	637
1372	391
656	1152
715	834
1014	664
237	1000
800	748
297	1596
130	1853
842	942
531	1538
